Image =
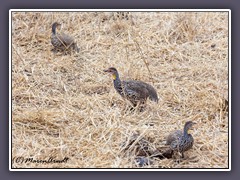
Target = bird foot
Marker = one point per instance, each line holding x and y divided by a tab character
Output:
130	108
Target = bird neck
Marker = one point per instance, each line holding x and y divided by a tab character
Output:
116	78
54	26
185	131
117	82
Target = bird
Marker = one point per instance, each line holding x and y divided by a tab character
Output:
180	141
137	92
141	146
62	41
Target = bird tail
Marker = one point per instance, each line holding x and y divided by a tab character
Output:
76	48
153	94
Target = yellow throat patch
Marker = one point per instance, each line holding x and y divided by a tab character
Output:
114	76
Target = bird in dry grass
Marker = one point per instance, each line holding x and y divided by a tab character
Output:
137	92
180	141
140	147
62	41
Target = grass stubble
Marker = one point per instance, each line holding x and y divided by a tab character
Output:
64	105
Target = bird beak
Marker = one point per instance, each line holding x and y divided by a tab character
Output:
105	70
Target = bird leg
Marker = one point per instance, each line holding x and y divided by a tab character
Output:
139	105
132	107
129	108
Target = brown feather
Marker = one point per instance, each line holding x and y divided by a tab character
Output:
174	136
140	91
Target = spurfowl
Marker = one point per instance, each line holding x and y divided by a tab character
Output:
137	92
180	141
62	41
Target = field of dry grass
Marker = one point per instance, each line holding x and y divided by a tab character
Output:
64	105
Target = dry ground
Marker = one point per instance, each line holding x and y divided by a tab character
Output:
64	105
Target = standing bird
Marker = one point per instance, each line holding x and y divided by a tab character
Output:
136	92
62	41
179	141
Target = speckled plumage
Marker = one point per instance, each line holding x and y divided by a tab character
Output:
180	141
173	136
62	41
134	91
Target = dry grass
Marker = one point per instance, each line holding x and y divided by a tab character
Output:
66	106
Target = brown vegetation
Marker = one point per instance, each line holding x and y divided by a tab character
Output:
64	105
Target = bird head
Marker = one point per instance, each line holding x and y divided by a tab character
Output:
113	71
56	24
189	126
